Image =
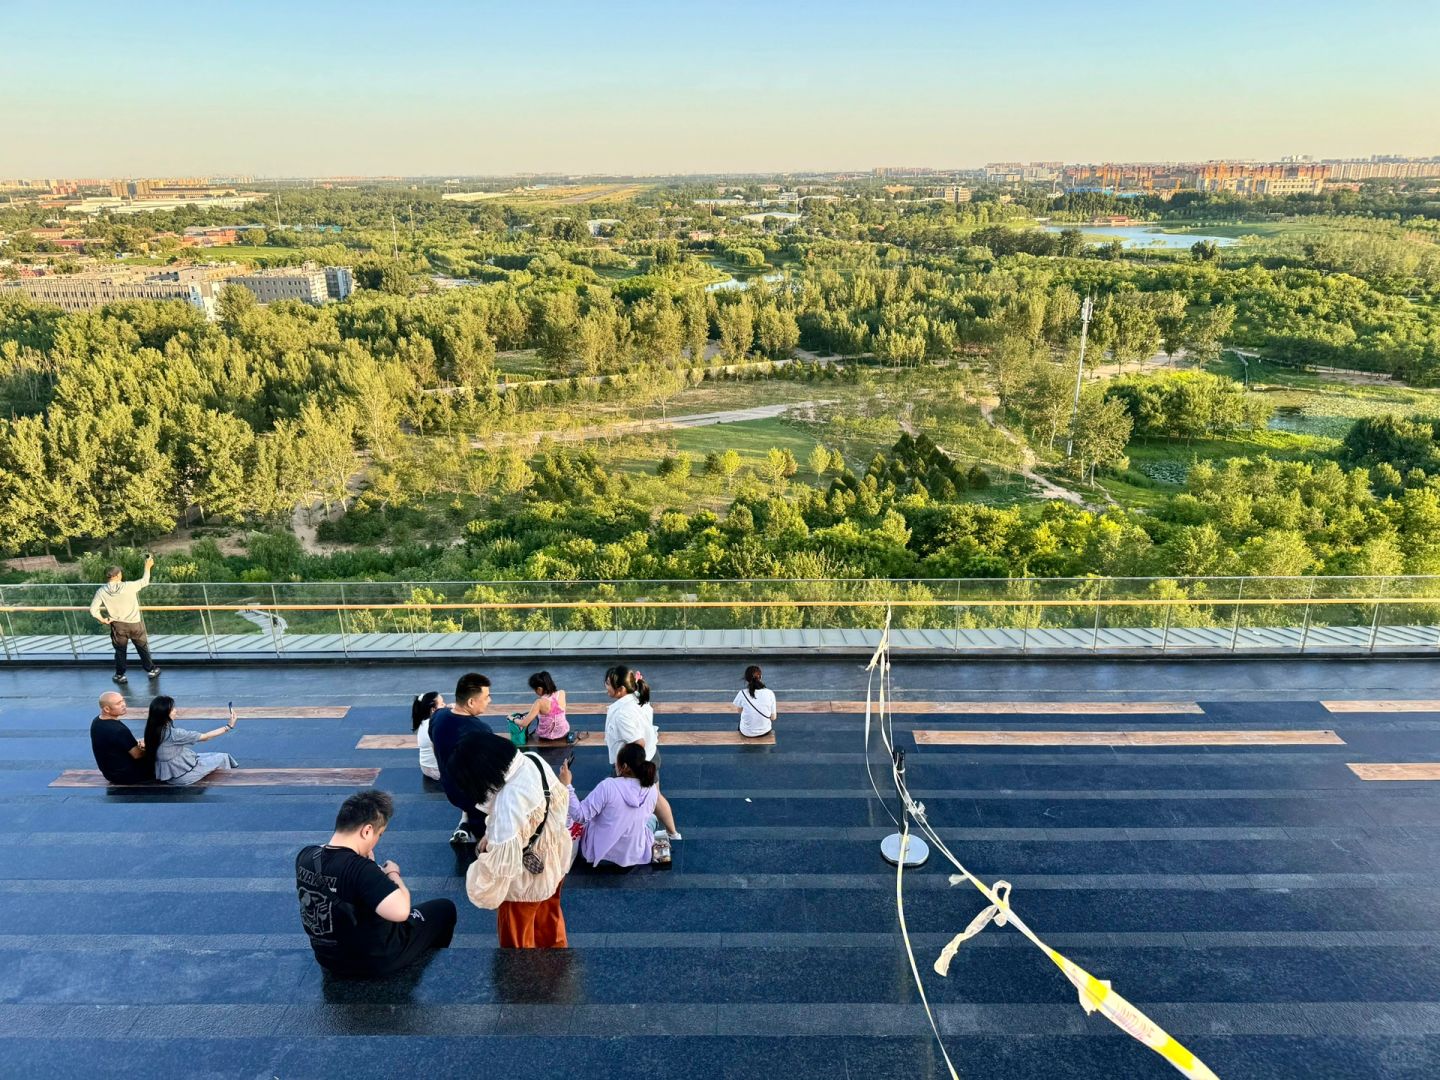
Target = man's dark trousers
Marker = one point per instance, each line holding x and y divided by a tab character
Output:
123	633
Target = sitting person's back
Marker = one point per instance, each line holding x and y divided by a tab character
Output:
617	814
422	709
118	756
359	915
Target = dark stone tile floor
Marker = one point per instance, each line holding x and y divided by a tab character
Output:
1278	915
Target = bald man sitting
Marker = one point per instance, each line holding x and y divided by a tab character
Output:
117	754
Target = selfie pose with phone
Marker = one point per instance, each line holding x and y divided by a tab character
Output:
169	749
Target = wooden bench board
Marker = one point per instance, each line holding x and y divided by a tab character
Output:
1128	738
594	738
359	777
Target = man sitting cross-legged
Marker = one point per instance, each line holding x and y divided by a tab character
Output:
359	915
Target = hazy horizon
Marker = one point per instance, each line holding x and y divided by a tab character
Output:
331	89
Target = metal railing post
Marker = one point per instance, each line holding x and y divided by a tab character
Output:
1095	639
1235	630
1374	626
4	636
1165	635
1305	624
340	616
207	626
1025	631
414	619
70	633
275	621
10	625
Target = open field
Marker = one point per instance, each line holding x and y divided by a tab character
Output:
1158	468
568	194
246	253
1236	231
1313	403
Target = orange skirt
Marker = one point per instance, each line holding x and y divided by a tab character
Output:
536	924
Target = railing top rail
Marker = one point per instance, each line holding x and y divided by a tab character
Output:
985	583
940	602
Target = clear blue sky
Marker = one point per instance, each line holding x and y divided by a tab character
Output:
314	87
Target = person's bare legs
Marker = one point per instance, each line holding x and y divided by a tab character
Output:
667	818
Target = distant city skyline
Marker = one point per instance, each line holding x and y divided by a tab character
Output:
454	89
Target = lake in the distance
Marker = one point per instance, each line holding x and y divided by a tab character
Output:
1142	236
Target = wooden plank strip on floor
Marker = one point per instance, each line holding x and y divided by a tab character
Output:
1128	738
1419	705
264	712
899	708
667	738
238	778
1420	770
1033	708
712	738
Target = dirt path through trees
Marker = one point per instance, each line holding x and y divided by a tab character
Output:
1048	488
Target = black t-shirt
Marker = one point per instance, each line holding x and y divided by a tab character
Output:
338	899
111	743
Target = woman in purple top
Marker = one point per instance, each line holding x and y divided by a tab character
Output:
617	815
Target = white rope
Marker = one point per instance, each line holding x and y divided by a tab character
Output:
1094	994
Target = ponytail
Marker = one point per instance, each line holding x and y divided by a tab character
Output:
421	708
621	677
542	682
752	679
632	756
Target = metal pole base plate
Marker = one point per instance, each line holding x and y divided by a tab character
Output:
917	852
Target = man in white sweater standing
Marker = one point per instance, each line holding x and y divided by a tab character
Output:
121	601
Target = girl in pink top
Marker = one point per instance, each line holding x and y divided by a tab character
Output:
548	712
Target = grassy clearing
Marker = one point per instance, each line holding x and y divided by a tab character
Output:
1239	231
525	363
1312	403
564	194
246	253
1158	469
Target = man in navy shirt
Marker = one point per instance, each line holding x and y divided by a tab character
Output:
447	728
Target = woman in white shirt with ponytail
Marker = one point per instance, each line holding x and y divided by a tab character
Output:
629	718
756	703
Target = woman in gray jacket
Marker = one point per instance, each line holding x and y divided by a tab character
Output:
171	748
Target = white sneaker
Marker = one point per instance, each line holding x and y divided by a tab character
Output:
463	836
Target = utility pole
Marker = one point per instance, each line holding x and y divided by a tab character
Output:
394	237
1087	309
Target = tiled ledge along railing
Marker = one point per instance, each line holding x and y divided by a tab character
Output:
1087	616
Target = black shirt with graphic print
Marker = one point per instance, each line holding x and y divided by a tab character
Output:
339	891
